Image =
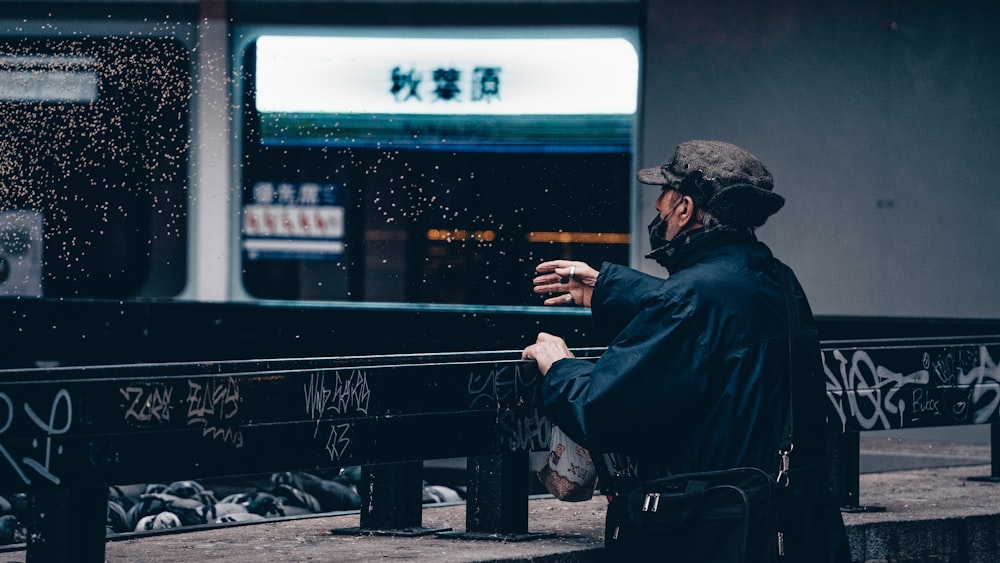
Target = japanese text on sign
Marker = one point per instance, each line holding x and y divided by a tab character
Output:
294	220
481	84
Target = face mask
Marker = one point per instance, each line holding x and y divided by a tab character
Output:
658	228
658	242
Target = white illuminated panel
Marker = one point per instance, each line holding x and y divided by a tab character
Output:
48	78
48	86
446	75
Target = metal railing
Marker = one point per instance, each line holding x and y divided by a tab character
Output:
67	434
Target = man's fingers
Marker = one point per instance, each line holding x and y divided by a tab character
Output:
552	266
562	300
547	279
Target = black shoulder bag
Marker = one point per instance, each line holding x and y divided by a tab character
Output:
733	515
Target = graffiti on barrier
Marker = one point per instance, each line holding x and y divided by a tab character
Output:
888	388
60	418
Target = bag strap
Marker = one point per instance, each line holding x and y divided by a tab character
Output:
788	435
781	513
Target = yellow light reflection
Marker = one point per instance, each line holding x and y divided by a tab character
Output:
579	238
449	235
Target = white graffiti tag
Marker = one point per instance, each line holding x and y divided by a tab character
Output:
499	385
147	402
349	394
986	387
59	421
213	405
338	441
966	381
870	390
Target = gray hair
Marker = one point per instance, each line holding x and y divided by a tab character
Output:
713	223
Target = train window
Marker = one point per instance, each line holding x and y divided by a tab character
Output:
437	166
93	166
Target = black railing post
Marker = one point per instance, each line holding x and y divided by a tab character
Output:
495	504
514	492
391	501
848	464
67	525
484	499
994	475
391	496
497	500
995	451
848	480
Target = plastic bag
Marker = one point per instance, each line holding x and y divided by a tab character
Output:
569	473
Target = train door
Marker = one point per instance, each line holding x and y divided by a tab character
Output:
432	165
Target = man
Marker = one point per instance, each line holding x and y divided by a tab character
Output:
696	377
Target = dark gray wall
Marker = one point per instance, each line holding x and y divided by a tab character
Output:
879	122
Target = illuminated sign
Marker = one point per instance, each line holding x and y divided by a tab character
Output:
448	87
495	76
48	78
287	220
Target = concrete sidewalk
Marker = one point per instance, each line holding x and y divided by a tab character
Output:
930	515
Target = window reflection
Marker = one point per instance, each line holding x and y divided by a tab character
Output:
453	199
94	165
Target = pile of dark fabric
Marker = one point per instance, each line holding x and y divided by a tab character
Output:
155	506
13	511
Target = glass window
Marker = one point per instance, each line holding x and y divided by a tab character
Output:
93	167
433	167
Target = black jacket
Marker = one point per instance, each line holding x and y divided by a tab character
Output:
696	379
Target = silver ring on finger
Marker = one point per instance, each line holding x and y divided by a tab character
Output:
572	272
569	298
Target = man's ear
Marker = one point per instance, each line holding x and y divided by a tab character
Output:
687	213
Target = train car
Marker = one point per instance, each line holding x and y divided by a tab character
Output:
422	154
334	155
